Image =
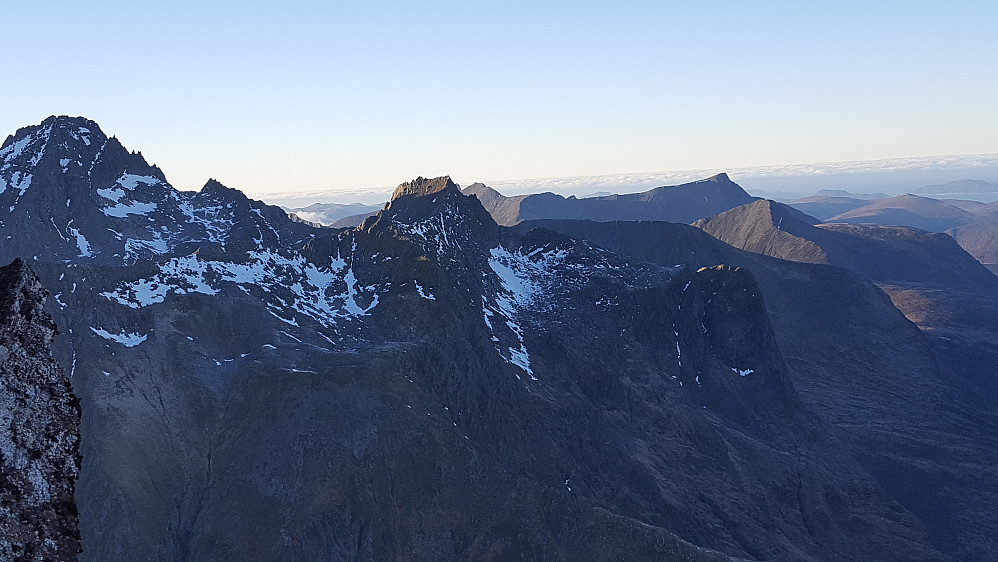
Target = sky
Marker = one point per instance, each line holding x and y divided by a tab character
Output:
311	96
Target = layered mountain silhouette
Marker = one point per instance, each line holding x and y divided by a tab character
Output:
928	276
907	210
827	206
435	385
680	203
973	224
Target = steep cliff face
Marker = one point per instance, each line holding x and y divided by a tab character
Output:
39	429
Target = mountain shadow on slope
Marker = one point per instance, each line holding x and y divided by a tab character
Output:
861	366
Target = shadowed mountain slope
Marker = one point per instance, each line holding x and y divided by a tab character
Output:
862	367
930	278
980	239
881	253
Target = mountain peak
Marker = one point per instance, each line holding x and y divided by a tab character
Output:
65	121
423	186
718	178
215	186
52	144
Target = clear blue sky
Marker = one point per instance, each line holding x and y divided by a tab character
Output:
326	95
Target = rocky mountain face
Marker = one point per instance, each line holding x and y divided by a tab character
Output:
39	429
679	203
928	277
432	385
916	410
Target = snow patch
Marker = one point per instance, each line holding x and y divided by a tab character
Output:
81	241
423	293
128	340
522	278
114	194
323	294
131	181
122	210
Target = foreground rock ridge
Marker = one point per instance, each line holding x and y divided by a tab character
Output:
434	385
39	429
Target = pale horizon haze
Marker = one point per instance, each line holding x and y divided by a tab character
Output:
314	96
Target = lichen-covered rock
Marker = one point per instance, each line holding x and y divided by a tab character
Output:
39	429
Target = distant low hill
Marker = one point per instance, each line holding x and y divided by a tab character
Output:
973	224
907	210
826	206
883	253
960	187
680	203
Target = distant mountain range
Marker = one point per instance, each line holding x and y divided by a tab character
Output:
681	203
329	214
590	382
973	224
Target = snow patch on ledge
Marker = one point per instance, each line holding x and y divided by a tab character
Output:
122	210
323	294
128	340
426	295
81	241
131	181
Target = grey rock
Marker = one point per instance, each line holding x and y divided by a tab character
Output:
39	429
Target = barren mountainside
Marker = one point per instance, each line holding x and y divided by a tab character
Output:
435	385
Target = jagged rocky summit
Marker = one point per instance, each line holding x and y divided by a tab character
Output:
39	429
433	385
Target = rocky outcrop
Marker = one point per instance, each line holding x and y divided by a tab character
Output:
39	429
424	186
